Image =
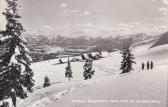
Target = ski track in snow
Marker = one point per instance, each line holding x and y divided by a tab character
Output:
104	69
52	98
40	87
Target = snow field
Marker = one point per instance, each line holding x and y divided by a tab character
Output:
138	88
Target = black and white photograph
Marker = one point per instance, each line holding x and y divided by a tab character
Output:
83	53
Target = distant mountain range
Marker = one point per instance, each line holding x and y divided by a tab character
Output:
43	47
79	38
163	39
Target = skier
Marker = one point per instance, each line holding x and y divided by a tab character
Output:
143	66
151	65
13	97
148	65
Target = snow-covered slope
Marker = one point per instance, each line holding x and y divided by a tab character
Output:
56	72
158	54
138	89
142	89
162	40
108	88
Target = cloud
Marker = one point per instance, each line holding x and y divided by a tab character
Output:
49	30
63	5
121	29
126	25
165	2
63	14
156	30
153	0
164	27
46	29
163	10
90	25
74	12
160	19
69	12
94	29
86	13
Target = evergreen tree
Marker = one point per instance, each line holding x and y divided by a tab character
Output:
68	72
15	71
88	72
46	82
128	57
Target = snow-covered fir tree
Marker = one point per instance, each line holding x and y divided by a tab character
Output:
15	71
46	82
88	71
68	71
128	59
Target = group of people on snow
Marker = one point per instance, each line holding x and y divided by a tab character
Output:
149	65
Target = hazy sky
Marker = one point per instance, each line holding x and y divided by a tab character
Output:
93	16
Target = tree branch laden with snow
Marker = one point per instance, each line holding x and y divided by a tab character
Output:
15	71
